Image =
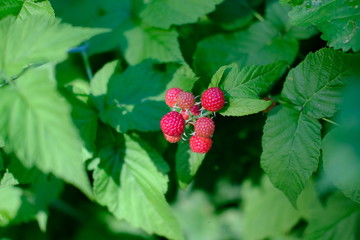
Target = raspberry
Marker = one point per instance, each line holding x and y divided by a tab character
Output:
213	99
172	139
195	110
172	124
171	96
204	127
185	100
200	144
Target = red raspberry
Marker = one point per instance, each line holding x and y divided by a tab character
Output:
200	144
171	96
172	139
185	100
204	127
213	99
195	110
172	124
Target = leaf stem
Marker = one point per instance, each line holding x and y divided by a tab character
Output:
85	58
330	121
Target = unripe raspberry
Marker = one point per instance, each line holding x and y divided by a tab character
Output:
213	99
172	139
204	127
195	110
172	124
171	96
200	144
185	100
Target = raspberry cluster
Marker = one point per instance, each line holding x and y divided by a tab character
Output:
188	114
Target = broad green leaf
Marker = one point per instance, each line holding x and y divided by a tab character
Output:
183	78
151	43
99	84
37	40
130	184
337	221
260	44
252	81
267	212
341	152
187	164
36	126
338	20
291	165
245	86
132	101
291	2
314	86
164	13
244	106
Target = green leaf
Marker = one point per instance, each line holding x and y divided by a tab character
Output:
38	133
99	83
129	183
260	44
244	106
338	20
10	198
187	164
151	43
36	40
164	13
132	100
245	86
267	212
291	165
341	154
252	81
339	220
314	86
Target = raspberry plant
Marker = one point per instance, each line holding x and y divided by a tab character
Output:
108	113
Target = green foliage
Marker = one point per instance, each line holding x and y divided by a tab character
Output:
81	106
30	122
340	147
338	20
21	47
267	212
164	13
243	87
130	176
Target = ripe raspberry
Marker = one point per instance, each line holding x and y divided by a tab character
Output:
213	99
171	96
195	110
172	139
185	100
200	144
204	127
172	124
